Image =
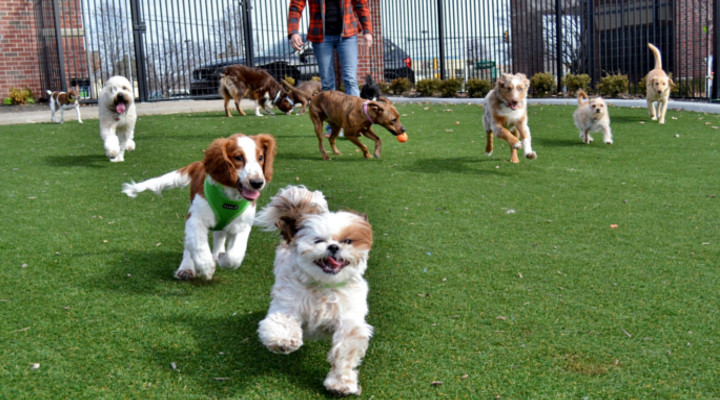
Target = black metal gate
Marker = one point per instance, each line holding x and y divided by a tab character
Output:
174	49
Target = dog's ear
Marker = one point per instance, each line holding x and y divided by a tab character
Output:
503	79
217	162
268	148
376	108
524	78
384	100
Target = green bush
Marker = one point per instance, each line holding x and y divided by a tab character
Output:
19	96
384	87
427	87
543	83
477	87
613	85
450	87
574	83
400	85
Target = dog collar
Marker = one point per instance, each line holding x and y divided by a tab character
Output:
224	208
365	110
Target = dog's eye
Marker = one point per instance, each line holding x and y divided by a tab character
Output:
261	158
347	241
240	158
318	241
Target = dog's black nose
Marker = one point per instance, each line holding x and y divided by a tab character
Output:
256	183
333	248
121	97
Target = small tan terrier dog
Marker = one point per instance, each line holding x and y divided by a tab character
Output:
592	116
658	88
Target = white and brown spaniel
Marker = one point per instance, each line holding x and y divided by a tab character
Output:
223	190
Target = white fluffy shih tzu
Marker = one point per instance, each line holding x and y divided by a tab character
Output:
116	111
319	288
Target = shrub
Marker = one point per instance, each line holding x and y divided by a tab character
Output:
450	87
384	87
543	83
427	87
478	87
400	85
19	96
613	85
574	83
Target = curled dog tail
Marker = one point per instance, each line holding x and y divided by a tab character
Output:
656	53
582	96
175	179
287	209
49	92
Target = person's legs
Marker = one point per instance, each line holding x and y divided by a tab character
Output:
347	50
326	61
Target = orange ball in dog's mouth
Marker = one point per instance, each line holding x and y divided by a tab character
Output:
402	138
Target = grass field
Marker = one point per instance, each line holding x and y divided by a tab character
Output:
591	272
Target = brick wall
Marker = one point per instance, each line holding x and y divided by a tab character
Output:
19	61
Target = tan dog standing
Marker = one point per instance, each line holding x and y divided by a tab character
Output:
505	115
658	88
355	116
592	116
302	93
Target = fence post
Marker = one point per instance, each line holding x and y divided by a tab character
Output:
715	92
441	38
138	32
58	37
247	26
558	44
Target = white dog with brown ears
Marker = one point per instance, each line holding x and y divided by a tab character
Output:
223	190
658	88
116	110
64	101
319	288
592	116
505	115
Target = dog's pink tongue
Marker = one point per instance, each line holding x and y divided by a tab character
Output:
120	108
250	194
334	262
514	106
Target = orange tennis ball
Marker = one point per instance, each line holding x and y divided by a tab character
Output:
402	138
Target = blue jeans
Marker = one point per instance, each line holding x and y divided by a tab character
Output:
347	50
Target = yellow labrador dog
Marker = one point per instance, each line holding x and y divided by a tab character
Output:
658	88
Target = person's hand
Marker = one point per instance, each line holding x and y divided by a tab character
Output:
368	40
296	41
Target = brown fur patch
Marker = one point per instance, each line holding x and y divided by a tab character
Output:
257	81
359	233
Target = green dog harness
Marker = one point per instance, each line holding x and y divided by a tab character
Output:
225	209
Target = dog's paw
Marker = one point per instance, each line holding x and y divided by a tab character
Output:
342	386
130	189
517	145
185	274
531	155
226	262
609	141
488	153
117	159
284	345
79	122
130	145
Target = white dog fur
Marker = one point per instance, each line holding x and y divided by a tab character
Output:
592	115
116	110
319	288
240	166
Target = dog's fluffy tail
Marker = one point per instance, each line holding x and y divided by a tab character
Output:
175	179
656	53
287	208
49	92
582	96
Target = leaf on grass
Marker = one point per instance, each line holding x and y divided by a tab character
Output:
221	378
173	366
626	332
35	366
436	383
501	317
613	226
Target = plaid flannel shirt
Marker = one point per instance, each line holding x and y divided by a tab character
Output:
355	13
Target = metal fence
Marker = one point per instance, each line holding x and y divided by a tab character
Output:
174	49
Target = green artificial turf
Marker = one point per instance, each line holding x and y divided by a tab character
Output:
591	272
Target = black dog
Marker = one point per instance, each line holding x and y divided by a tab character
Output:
370	90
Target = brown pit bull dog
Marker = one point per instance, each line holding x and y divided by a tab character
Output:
355	116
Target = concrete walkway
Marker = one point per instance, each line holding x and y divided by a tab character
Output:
38	114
